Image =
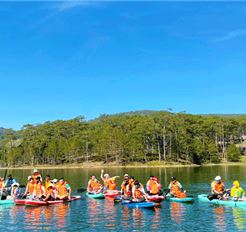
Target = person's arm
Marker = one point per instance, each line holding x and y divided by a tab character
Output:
213	188
133	190
69	191
88	185
122	188
26	191
34	194
224	188
12	192
158	184
169	188
43	190
147	186
102	172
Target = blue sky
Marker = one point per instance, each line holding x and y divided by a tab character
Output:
59	60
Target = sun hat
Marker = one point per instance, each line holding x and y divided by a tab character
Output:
217	178
15	184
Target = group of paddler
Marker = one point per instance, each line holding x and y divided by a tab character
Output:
36	188
219	191
132	189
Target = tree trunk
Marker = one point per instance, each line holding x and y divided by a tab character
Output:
164	142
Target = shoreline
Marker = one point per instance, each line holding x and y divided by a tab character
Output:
113	165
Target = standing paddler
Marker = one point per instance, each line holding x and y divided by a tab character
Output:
109	182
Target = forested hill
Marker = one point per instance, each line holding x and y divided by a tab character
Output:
1	132
140	136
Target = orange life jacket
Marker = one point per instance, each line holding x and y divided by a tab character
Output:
153	187
1	184
39	189
96	186
30	187
91	184
126	190
181	195
50	192
138	194
110	184
47	184
175	189
219	187
62	190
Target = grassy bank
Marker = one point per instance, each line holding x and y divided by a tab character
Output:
152	164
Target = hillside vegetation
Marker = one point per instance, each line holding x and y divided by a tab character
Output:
124	138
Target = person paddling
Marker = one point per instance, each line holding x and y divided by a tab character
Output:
91	184
50	193
175	189
217	189
15	191
94	186
8	183
36	174
236	191
30	187
126	188
153	186
109	182
63	190
139	194
39	189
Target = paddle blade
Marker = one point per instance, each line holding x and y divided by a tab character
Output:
81	190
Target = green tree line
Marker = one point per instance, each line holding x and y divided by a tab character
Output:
126	138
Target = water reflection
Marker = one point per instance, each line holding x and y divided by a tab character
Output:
177	211
32	217
94	209
239	217
138	218
125	217
61	211
220	220
96	215
156	219
110	212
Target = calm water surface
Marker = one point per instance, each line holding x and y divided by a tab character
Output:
104	215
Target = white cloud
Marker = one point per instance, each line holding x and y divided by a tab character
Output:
68	5
233	34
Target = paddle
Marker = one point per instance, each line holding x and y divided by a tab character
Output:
81	190
117	199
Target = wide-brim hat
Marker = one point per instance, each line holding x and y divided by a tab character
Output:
15	184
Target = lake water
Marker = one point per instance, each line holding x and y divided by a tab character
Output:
104	215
